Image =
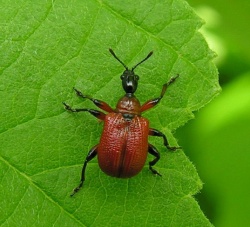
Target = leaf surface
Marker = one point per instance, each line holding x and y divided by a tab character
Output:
48	47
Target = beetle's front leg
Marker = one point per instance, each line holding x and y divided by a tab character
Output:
101	104
92	153
98	114
155	132
151	103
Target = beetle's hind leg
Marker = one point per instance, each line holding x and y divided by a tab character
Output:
153	151
92	153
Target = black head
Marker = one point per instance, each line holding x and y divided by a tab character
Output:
129	78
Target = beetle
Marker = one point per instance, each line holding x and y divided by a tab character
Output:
123	147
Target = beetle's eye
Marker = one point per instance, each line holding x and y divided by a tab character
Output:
137	77
122	76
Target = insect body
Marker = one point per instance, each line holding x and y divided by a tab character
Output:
123	146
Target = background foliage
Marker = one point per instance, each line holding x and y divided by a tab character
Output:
217	141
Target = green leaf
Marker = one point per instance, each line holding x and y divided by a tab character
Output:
48	47
225	122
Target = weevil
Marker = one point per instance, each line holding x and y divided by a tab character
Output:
123	147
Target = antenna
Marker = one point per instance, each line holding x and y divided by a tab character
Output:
113	53
149	55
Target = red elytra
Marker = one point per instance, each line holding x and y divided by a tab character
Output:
123	147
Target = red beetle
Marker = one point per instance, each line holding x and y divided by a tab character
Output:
123	147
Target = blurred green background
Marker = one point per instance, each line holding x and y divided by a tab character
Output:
218	140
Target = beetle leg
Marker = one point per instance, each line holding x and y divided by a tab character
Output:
155	132
152	150
98	114
101	104
151	103
92	153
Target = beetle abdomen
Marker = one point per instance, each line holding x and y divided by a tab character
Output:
123	147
